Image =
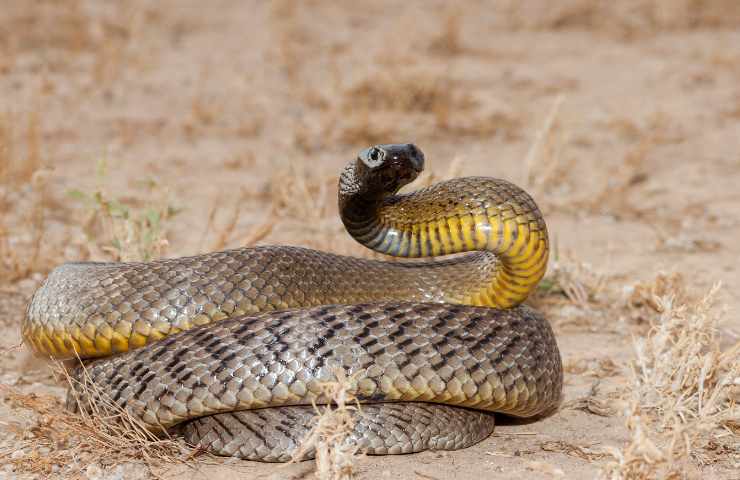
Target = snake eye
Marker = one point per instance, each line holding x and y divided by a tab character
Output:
374	154
372	157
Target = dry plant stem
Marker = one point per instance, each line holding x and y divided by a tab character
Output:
260	232
21	167
335	455
534	154
586	453
228	230
210	222
449	42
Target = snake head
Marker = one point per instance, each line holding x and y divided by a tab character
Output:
387	168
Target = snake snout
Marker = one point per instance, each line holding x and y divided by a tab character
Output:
416	157
404	157
406	162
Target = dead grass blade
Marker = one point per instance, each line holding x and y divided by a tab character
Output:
585	453
227	231
21	167
449	40
335	455
626	20
260	232
542	152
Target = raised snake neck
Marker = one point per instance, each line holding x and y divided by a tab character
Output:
97	309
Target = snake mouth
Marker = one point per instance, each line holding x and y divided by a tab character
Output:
407	176
398	174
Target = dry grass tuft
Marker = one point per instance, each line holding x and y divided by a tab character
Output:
20	257
427	99
647	295
627	19
545	166
617	196
367	128
20	149
225	232
411	93
448	41
550	172
291	39
685	240
303	195
62	33
126	230
335	455
24	195
543	156
6	146
385	107
570	282
57	443
684	393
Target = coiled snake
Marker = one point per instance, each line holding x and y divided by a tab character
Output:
236	344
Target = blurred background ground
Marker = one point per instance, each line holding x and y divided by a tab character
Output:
132	130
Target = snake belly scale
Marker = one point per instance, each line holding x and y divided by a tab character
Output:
232	347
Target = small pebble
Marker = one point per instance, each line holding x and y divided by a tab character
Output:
17	454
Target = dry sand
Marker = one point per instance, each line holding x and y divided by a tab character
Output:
623	121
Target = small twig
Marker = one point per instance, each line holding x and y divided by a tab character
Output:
540	138
514	434
500	454
425	476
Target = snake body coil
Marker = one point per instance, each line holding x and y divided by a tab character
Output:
290	318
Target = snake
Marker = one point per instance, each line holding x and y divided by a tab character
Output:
235	349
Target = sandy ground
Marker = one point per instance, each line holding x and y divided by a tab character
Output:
626	131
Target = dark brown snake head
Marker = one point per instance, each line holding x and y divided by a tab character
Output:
378	172
387	168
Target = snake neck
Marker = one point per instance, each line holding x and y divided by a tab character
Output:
460	215
358	205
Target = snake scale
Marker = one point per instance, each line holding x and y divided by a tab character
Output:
232	348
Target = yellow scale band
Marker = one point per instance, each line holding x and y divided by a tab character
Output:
90	341
453	226
523	251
